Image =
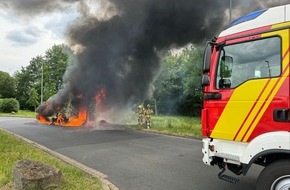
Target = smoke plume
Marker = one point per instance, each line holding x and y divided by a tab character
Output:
119	43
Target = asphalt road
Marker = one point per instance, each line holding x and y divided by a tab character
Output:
132	160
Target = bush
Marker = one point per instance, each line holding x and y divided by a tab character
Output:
9	105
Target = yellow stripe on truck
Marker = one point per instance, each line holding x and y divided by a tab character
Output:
237	110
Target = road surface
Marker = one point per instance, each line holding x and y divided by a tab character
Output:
132	160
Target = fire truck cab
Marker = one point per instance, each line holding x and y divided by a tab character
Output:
246	114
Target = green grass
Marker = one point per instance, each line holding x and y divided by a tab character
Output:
20	113
13	149
174	125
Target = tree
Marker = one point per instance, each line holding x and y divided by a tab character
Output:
33	100
7	85
53	63
28	78
177	87
49	90
192	59
168	85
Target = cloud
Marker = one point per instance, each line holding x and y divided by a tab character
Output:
59	24
25	37
34	7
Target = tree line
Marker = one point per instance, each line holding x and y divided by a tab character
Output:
176	89
25	85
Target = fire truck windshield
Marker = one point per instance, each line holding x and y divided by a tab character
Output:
249	60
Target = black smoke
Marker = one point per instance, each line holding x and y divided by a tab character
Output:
120	53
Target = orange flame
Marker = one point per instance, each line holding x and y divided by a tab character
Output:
78	120
43	120
73	121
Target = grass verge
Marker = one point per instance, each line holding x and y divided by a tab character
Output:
20	113
13	149
173	125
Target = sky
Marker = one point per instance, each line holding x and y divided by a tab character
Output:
23	38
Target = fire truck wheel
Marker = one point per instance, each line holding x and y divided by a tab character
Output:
275	176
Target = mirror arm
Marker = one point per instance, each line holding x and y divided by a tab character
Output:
220	45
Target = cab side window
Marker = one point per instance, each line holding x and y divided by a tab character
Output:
245	61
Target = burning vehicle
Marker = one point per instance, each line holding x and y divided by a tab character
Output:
62	117
74	114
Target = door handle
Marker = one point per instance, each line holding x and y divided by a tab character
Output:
281	115
212	96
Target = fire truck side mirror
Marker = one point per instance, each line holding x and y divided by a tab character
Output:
206	58
205	80
226	66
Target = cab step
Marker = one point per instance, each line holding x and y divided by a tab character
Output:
226	177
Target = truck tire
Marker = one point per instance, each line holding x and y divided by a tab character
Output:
275	176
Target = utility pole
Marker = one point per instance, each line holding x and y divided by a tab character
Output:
41	96
230	12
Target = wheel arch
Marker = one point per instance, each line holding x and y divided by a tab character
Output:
266	157
272	141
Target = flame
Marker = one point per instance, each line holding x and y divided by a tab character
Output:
43	120
60	120
78	120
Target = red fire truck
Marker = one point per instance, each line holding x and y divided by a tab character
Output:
246	114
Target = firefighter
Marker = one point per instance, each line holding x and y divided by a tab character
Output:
141	112
148	112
